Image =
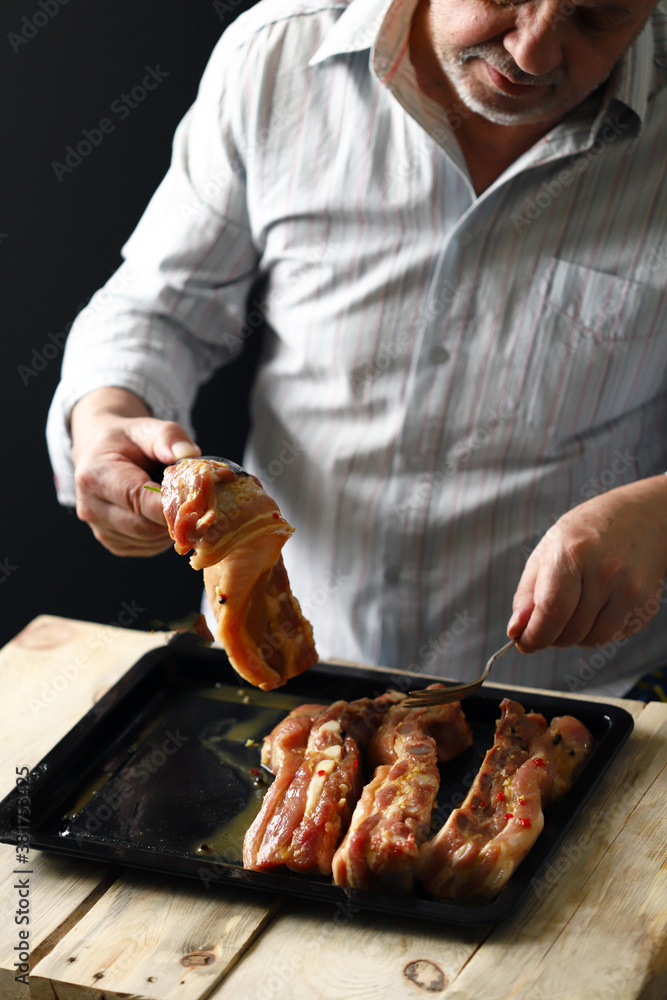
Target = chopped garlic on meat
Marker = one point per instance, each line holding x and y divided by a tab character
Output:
333	726
317	784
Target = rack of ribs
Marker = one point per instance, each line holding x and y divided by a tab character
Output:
316	755
392	818
237	533
529	767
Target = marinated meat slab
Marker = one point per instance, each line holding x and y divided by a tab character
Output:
446	724
529	767
237	533
317	759
393	816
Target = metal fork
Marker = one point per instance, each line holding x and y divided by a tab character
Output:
425	697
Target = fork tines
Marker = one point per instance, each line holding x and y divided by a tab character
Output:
435	696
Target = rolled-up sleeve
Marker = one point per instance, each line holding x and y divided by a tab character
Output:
174	310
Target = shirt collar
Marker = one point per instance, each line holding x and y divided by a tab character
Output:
356	29
630	82
382	25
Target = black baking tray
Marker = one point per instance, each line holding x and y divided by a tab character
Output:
164	773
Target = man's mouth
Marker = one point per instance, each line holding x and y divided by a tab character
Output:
508	86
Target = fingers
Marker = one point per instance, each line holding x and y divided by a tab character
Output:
112	471
546	599
523	603
596	574
131	545
628	610
161	440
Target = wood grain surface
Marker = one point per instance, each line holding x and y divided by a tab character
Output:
594	927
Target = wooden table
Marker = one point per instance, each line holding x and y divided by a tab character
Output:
593	929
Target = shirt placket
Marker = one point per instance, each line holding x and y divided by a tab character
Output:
406	562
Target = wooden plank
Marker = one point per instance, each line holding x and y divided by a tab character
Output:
60	891
138	932
317	952
596	928
153	937
51	674
71	664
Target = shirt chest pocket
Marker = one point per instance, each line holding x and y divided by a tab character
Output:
591	349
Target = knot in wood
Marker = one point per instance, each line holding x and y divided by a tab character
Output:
198	958
426	975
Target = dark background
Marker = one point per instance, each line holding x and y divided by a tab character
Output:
61	240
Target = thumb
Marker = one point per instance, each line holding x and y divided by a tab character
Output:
523	603
163	441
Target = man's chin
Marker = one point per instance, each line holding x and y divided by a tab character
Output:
502	110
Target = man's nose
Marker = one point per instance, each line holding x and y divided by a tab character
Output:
535	42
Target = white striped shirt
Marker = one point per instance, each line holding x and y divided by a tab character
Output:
445	374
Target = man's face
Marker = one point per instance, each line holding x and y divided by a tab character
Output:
529	61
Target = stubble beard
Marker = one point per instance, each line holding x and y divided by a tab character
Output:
504	109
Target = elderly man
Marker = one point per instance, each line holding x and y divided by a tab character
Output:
450	217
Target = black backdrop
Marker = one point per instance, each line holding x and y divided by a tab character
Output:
65	67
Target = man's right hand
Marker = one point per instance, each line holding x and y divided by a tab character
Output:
115	443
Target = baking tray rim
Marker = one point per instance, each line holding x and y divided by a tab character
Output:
620	724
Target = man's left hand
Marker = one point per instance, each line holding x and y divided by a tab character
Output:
597	573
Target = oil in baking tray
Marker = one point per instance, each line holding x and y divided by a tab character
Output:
194	784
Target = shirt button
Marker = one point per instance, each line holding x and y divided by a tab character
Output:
391	574
438	354
464	239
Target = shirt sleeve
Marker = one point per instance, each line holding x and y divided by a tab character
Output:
175	309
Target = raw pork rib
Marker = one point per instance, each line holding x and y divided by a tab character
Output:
315	755
393	816
445	723
528	767
237	533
